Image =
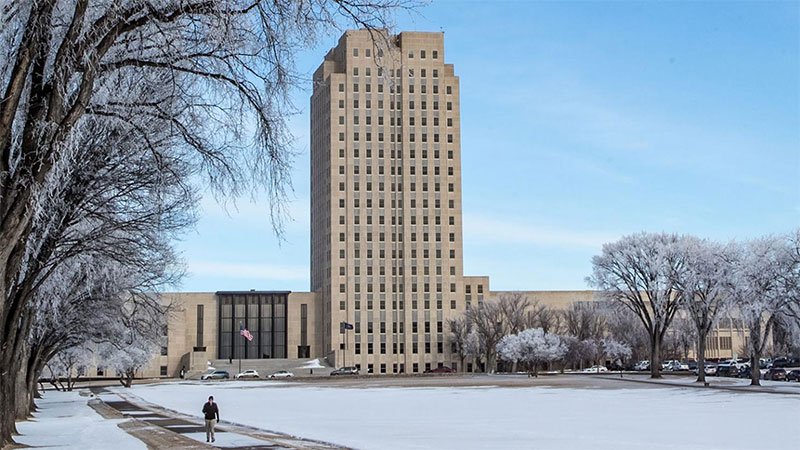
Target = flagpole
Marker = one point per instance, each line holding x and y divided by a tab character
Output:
241	335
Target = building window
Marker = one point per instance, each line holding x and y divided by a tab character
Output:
163	371
199	337
163	350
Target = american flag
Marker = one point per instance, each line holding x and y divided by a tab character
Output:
243	331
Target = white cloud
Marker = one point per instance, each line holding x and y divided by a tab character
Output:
499	230
249	270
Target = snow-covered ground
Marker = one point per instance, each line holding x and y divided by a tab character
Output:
494	417
64	420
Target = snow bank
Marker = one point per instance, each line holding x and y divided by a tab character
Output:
65	420
313	364
508	418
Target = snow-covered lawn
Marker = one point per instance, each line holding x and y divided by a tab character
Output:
64	420
495	417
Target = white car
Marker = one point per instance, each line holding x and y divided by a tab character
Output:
642	366
248	374
281	374
595	369
676	366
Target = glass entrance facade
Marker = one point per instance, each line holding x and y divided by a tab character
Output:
263	313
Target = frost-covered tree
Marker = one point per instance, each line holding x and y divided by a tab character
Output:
213	76
473	346
704	285
65	367
538	347
759	292
510	349
637	272
615	350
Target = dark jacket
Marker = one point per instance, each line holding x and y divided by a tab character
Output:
211	411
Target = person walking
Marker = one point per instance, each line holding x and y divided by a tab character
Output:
211	413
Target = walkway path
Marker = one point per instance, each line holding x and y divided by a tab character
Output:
728	384
161	428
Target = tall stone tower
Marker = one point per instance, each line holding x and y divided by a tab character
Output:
386	235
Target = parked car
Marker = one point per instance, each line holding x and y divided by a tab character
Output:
675	366
642	366
349	370
281	374
793	375
692	364
776	374
710	369
216	375
727	369
443	369
595	369
785	361
250	373
743	372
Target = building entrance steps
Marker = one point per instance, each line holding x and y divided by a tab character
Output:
162	428
265	367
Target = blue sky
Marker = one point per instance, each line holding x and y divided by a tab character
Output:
581	122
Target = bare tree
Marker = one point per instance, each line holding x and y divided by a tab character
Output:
638	272
625	326
585	320
545	317
487	323
513	308
459	334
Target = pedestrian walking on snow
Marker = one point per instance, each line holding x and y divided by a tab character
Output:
211	413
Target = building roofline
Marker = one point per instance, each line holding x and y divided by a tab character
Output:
252	291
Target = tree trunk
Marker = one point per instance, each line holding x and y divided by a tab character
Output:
701	357
655	356
755	354
7	407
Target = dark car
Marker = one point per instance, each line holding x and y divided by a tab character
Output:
216	375
349	370
785	361
727	370
692	365
442	369
775	374
744	372
793	375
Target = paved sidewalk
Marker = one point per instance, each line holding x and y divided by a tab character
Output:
727	384
159	427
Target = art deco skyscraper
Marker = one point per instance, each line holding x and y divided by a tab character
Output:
386	239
